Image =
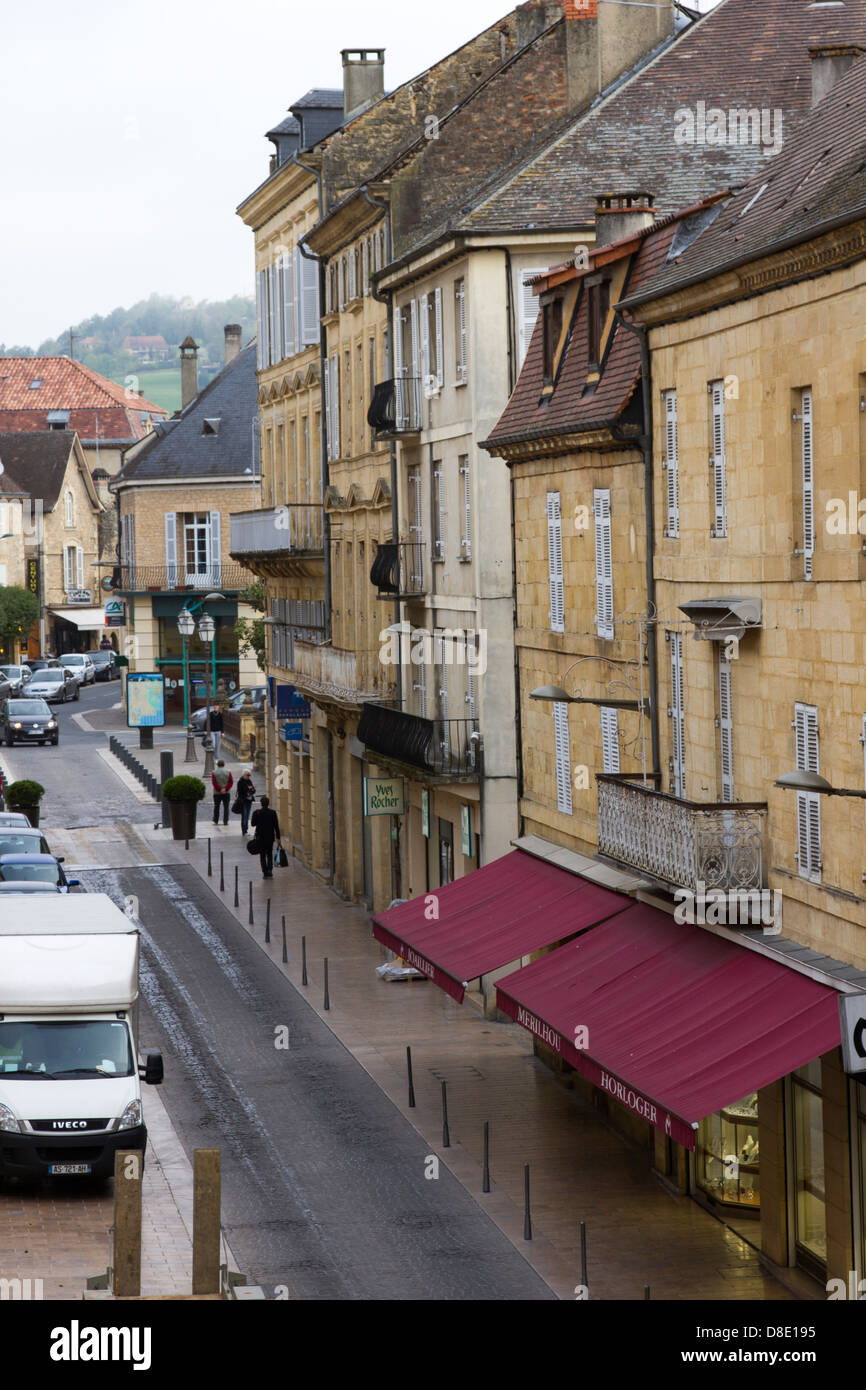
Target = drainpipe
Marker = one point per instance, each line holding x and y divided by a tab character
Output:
645	440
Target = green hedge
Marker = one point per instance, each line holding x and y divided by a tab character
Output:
183	788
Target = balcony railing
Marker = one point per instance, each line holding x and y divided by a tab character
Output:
444	747
296	527
699	846
347	677
396	407
167	578
398	569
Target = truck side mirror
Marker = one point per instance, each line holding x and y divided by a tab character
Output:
153	1070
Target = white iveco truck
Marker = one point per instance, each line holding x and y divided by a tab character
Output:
69	1072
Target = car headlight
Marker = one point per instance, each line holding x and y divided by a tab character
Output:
16	726
8	1120
50	724
131	1115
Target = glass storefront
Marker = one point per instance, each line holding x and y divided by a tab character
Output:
728	1155
810	1210
861	1145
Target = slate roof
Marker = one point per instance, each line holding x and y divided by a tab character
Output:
180	448
744	53
35	463
819	178
98	408
320	97
289	126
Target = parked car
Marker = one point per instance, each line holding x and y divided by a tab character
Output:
105	666
13	818
249	697
5	686
27	721
54	684
23	840
17	676
35	868
21	886
39	663
81	666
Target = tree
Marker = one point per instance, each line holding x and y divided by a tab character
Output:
19	610
251	632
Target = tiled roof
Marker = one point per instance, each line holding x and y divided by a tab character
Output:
319	97
819	178
107	426
35	463
98	408
180	449
744	53
568	410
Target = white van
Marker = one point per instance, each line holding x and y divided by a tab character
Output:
70	1094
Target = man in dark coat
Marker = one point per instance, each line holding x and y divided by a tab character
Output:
266	829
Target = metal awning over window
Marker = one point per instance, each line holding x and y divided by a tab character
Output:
720	619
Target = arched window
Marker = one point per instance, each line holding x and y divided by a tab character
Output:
70	508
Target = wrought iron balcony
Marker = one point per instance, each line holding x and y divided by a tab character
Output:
332	674
398	570
133	579
396	407
296	527
699	846
443	747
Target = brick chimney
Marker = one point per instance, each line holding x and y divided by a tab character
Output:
830	62
618	215
604	40
233	332
188	371
363	78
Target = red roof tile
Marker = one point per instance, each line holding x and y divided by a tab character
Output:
98	407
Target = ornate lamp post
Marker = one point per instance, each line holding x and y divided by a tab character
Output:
207	633
186	627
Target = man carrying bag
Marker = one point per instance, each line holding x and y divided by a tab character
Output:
222	783
266	830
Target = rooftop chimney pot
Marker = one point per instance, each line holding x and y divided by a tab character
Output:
188	371
233	334
830	62
363	78
619	215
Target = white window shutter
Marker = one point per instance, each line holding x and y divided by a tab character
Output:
443	679
365	266
297	299
466	542
353	276
471	689
274	292
527	312
79	567
289	304
439	504
260	323
720	467
413	334
308	314
563	758
677	713
215	548
808	803
335	404
420	688
437	317
610	740
808	484
460	307
672	464
400	398
603	563
554	562
171	547
425	338
726	729
68	581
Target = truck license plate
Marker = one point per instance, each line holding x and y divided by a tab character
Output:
69	1168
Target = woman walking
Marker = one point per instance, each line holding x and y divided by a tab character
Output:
246	794
266	829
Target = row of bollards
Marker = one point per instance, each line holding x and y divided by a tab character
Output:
151	784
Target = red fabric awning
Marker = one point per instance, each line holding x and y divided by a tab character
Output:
679	1022
516	905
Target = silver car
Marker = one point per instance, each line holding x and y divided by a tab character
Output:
54	684
17	676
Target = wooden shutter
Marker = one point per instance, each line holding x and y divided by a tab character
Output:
425	339
720	468
466	540
260	323
419	685
610	740
289	327
400	416
554	563
171	547
677	714
603	562
274	316
416	525
443	679
460	312
672	465
563	758
527	312
808	803
437	322
413	330
439	512
79	567
726	729
353	276
68	567
335	405
471	690
808	484
365	266
215	549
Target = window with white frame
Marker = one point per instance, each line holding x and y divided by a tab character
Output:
73	567
127	540
332	406
466	507
718	459
610	740
431	340
603	562
808	472
438	511
527	312
556	611
671	465
808	803
676	711
70	508
461	357
563	757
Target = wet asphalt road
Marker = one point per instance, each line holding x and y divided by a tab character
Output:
324	1193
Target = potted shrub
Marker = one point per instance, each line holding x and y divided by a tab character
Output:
183	795
25	796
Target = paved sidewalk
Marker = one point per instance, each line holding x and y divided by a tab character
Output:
637	1232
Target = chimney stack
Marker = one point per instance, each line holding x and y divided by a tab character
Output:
619	215
830	62
363	78
188	371
233	332
602	41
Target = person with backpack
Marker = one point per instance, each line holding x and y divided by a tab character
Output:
222	783
266	829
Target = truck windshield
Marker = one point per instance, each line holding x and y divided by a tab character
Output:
59	1050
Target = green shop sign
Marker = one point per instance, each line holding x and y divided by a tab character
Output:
384	796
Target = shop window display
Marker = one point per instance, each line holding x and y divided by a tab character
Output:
728	1155
811	1211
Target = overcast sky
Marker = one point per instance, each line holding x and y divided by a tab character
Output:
131	131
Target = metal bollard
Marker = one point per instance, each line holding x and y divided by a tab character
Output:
411	1082
485	1168
527	1219
285	951
251	922
304	980
209	864
186	844
446	1133
646	1292
327	1003
237	901
222	874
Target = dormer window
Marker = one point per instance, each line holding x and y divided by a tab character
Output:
597	308
552	332
211	426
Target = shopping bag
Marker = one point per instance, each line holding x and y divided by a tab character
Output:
236	805
253	846
283	859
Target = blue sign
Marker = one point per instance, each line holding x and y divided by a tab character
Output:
290	702
293	731
145	699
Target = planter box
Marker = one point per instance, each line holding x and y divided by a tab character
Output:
183	815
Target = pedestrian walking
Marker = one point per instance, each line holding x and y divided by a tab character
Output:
246	795
216	729
266	829
222	783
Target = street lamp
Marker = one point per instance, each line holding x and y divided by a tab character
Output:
186	627
207	633
813	782
557	694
